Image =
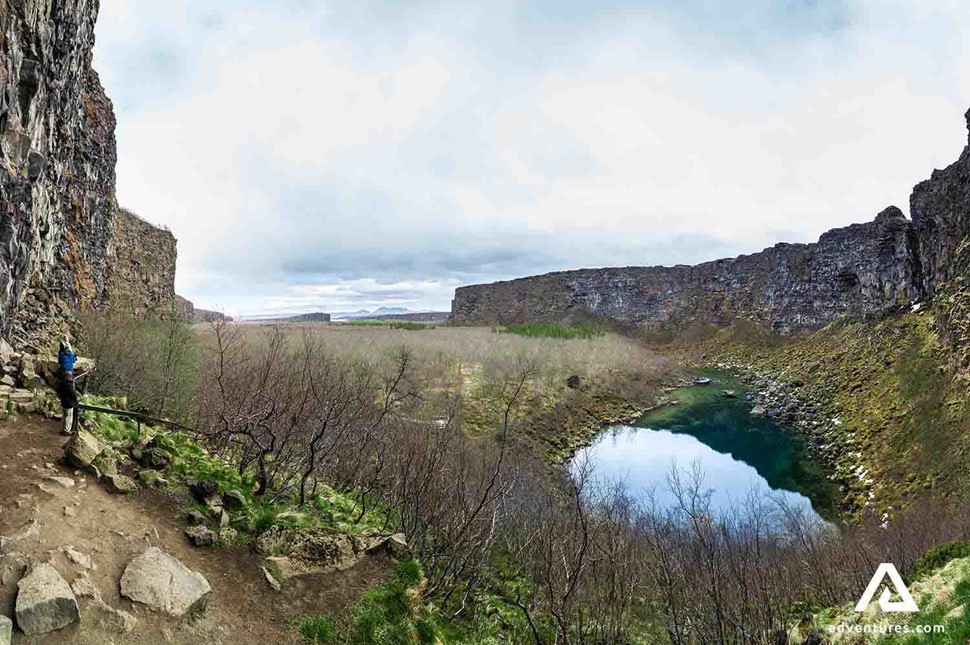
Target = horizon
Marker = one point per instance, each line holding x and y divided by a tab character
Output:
434	147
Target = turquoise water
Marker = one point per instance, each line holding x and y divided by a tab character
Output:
737	454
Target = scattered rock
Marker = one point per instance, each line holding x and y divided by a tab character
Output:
204	490
119	484
201	535
83	560
45	602
164	584
66	482
82	449
107	617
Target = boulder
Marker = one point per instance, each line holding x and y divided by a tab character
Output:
313	550
6	630
758	411
201	535
119	484
163	584
204	490
82	449
45	601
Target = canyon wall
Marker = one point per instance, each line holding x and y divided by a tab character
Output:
857	271
57	171
141	267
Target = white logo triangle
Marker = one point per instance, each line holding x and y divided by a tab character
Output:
906	602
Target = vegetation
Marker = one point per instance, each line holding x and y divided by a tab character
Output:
390	324
548	330
388	614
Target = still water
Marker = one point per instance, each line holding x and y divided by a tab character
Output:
736	452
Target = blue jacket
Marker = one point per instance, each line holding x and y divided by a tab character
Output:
66	360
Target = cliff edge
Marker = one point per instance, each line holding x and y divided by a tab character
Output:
857	271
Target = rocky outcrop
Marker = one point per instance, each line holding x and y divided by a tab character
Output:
57	165
857	271
853	271
141	267
64	244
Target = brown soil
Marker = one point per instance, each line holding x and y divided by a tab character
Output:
112	529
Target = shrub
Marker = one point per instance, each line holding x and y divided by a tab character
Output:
937	557
318	629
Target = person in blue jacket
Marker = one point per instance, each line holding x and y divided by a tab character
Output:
66	357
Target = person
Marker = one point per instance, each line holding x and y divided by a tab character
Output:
66	357
68	396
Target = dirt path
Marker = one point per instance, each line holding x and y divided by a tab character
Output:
112	529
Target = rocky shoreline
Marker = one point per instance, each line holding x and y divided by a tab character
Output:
802	408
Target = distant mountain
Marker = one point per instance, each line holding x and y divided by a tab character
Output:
380	311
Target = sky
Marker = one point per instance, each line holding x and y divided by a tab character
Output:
336	156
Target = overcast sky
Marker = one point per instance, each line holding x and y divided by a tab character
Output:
343	155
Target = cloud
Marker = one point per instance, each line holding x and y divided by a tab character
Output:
356	154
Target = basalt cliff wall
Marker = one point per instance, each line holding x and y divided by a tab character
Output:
58	214
857	271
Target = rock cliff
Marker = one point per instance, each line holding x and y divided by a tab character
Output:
856	271
58	214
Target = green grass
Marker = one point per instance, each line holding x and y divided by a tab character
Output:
549	330
389	614
957	626
937	557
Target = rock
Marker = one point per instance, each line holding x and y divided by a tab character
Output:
119	484
313	550
65	482
83	560
45	602
164	584
273	582
702	380
22	396
8	381
729	394
573	382
106	463
758	411
108	618
233	500
149	477
203	490
6	630
82	449
201	535
195	517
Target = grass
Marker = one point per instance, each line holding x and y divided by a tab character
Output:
390	324
389	614
548	330
190	461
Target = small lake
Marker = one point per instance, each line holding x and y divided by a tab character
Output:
736	452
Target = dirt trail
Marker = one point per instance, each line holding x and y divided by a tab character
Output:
114	528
